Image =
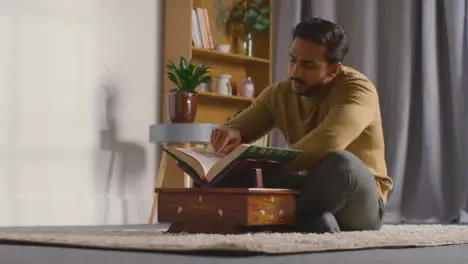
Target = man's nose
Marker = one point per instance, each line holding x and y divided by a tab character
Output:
297	71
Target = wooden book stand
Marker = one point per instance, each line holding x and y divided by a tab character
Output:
227	210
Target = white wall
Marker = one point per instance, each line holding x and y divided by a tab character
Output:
59	129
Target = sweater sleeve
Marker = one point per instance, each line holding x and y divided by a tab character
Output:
348	117
257	119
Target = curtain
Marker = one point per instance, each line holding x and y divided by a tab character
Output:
416	52
70	154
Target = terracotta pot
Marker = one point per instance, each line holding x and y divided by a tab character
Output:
182	107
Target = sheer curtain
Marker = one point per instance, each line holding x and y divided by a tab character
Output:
58	164
413	50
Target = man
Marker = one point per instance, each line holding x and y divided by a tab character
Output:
331	112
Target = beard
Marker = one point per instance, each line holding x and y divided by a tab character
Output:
306	89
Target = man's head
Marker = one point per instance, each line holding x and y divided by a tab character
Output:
317	52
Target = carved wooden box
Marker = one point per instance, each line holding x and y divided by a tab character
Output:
225	210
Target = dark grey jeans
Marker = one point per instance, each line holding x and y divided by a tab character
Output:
340	184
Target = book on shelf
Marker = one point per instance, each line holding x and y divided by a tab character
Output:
202	32
236	169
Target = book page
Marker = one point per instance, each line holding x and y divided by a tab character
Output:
206	158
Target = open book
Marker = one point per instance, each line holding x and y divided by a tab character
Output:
218	169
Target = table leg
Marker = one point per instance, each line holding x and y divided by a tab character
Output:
159	184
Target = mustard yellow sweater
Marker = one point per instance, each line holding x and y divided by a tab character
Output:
343	116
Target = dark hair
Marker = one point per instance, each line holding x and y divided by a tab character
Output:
324	32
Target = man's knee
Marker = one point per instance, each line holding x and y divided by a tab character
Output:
342	165
343	159
333	177
347	189
336	167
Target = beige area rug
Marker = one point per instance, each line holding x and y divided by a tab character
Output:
270	243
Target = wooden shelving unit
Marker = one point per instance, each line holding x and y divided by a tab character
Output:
227	57
224	98
212	107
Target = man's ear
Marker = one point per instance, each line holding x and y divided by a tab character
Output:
334	69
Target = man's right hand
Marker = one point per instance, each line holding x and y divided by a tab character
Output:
225	139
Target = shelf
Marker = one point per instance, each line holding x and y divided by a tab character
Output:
226	97
231	57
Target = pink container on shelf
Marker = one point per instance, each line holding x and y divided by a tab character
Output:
246	88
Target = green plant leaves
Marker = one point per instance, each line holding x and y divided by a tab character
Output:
253	16
173	78
188	75
237	13
261	23
182	63
250	16
264	10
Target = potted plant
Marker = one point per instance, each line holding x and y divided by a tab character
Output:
253	16
183	100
